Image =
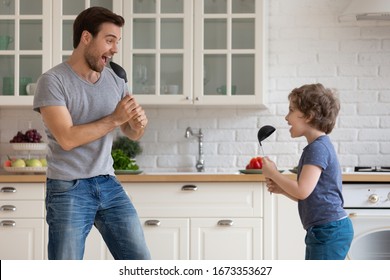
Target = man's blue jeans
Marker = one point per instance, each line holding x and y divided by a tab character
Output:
73	207
329	241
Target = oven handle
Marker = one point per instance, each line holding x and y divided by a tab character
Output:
352	215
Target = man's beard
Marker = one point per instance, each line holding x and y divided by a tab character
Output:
92	63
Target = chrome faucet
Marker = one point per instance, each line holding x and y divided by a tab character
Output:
200	162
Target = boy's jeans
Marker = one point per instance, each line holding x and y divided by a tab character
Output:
329	241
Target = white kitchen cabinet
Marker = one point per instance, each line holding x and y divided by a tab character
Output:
181	220
95	247
197	220
22	221
229	52
200	220
167	238
175	52
290	235
36	35
226	239
25	50
205	52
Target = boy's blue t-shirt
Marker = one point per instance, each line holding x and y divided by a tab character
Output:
325	203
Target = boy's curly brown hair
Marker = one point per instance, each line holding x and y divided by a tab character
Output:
318	104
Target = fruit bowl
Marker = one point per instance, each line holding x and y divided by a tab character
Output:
25	169
29	146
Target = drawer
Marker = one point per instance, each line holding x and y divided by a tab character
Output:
21	209
14	191
196	199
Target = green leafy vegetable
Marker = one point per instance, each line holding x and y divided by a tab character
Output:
129	147
122	161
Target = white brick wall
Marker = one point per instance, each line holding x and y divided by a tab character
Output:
306	44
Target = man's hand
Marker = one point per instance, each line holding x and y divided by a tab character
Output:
136	121
125	110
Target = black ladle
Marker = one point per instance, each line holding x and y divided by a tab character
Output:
264	133
119	70
121	73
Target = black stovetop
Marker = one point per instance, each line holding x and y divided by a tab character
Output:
372	169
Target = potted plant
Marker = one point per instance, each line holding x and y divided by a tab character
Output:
124	152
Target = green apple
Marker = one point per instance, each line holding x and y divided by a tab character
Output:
19	163
33	163
44	162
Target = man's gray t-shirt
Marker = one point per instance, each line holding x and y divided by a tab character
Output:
325	203
86	102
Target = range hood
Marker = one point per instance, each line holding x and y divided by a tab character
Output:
366	10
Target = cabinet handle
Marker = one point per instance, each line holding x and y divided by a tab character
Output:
8	208
189	188
225	222
154	223
8	190
7	223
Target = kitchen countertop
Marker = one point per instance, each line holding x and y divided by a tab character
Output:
193	177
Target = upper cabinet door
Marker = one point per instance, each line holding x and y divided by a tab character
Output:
229	52
175	52
158	50
206	52
25	36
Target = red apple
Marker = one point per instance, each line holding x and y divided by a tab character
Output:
7	163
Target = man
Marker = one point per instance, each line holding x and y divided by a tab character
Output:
82	102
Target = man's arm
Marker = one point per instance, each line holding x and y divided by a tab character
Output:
69	136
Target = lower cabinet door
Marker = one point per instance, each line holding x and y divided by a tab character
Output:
290	235
226	239
167	238
95	247
21	239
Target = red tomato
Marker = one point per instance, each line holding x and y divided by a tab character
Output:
255	164
260	161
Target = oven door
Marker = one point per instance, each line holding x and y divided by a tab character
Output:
372	234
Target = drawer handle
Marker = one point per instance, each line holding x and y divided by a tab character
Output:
189	188
153	223
7	223
8	190
8	208
225	223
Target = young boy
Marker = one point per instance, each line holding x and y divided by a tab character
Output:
312	113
